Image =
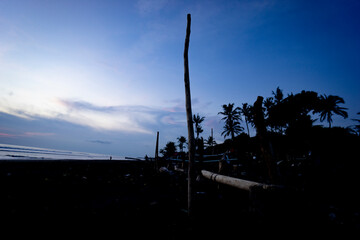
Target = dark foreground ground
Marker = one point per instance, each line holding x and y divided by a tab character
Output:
128	198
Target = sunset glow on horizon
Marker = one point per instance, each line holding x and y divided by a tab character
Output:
76	74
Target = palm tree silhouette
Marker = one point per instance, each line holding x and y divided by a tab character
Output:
357	127
198	120
232	120
246	111
210	141
182	141
278	95
328	105
169	149
268	104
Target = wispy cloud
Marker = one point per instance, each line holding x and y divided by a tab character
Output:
178	105
100	141
112	118
123	118
213	122
7	135
117	118
148	7
174	119
26	134
40	134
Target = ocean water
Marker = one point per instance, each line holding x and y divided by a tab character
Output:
15	152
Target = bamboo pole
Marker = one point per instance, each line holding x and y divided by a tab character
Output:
191	146
212	143
157	152
237	182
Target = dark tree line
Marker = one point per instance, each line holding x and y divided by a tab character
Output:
285	115
316	162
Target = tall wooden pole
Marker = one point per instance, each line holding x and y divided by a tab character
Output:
191	143
157	152
212	142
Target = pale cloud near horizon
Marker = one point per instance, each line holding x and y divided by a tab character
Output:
125	119
26	134
118	118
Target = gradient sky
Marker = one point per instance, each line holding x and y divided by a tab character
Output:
104	76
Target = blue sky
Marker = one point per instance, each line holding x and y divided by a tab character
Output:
104	76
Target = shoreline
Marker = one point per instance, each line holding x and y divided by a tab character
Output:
70	160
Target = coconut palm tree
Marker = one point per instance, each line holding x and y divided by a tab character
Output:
268	105
169	149
232	120
181	141
210	141
198	128
232	130
328	106
357	127
246	111
278	95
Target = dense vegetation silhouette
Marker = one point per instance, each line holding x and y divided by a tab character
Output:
328	106
356	128
197	119
292	148
232	120
286	131
245	110
291	117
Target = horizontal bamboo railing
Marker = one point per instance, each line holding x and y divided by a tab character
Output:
237	182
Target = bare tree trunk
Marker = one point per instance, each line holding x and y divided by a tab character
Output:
191	146
247	126
265	145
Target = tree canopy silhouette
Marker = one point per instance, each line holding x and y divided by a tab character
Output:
293	111
198	128
357	127
210	141
246	110
182	142
169	150
328	106
232	120
278	95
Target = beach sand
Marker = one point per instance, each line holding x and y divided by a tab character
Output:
129	197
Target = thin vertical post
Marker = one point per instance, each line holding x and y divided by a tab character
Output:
157	152
191	142
212	142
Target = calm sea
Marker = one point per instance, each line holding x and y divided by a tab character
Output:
15	152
